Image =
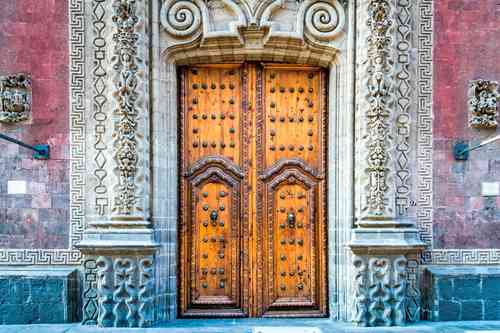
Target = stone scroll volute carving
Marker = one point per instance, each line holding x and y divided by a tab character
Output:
324	20
311	26
181	18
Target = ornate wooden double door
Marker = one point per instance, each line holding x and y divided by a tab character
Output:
252	207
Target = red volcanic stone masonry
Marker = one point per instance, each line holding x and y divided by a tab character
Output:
467	40
34	39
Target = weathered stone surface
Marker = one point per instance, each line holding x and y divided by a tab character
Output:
119	290
462	293
465	49
38	295
34	39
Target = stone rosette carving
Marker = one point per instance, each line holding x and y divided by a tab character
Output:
483	103
380	290
125	291
15	98
379	85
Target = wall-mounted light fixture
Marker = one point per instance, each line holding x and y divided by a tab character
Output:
461	148
41	152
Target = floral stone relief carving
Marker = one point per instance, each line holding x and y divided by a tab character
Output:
15	98
483	103
125	64
379	87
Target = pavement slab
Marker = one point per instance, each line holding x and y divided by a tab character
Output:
264	326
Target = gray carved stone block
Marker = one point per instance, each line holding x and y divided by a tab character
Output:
90	300
38	295
483	103
15	98
381	291
119	290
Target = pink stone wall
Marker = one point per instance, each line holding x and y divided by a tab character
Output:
466	47
34	39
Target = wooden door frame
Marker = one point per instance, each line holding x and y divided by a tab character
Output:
251	261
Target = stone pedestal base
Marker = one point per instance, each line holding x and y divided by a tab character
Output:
119	280
385	276
119	290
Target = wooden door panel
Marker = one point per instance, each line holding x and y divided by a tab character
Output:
215	238
212	277
293	120
252	196
213	117
292	176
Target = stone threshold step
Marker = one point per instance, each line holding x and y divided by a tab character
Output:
264	326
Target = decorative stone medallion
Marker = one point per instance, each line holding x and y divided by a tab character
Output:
15	98
483	103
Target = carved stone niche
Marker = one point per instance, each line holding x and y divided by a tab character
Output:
483	103
15	98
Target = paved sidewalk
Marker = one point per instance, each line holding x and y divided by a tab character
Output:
265	326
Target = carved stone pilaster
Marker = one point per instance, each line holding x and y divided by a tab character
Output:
120	114
385	242
122	290
385	284
378	110
118	244
15	98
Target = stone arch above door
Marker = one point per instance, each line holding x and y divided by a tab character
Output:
310	31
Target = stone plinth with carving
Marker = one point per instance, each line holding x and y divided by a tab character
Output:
119	289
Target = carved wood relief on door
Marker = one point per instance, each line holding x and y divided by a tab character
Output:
253	171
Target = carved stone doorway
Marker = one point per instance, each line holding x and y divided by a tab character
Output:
253	191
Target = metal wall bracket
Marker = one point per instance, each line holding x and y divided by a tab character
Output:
461	151
41	151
